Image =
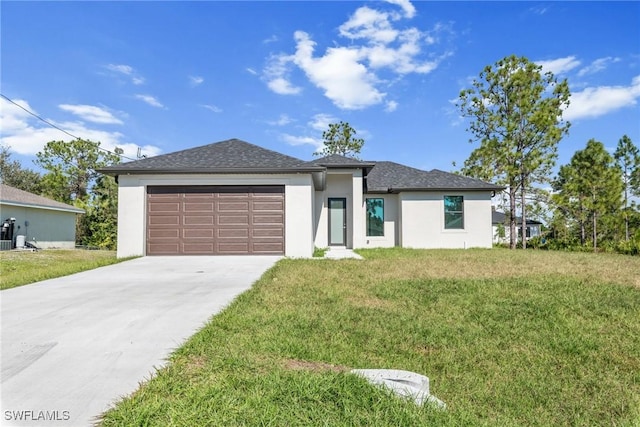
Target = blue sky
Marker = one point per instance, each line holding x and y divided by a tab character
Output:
166	76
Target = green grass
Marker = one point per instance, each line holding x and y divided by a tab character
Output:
19	268
507	339
319	252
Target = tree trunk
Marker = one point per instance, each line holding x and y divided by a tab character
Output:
513	234
523	228
595	235
626	213
583	231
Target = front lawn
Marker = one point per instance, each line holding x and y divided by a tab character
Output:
506	338
19	268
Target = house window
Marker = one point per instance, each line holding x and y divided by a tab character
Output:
375	217
453	212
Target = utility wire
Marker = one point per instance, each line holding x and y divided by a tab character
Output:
58	128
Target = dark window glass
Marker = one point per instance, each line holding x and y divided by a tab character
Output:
453	212
375	217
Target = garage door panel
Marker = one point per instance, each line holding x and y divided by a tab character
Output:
198	220
165	207
164	220
236	206
198	233
226	219
164	248
197	248
268	219
164	233
233	247
198	207
196	197
273	205
209	220
233	196
267	232
233	233
268	248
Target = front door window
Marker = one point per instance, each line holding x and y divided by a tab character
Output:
337	222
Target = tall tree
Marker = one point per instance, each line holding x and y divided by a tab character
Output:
14	175
72	176
590	190
72	167
516	113
100	221
627	158
340	139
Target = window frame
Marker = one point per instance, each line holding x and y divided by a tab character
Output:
367	217
453	212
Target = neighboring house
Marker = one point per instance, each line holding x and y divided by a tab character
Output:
42	221
233	197
502	231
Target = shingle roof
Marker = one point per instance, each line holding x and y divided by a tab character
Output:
501	218
13	196
231	156
338	161
236	156
393	177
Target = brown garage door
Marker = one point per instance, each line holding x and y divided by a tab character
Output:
215	220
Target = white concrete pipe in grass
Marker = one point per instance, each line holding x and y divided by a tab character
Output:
403	383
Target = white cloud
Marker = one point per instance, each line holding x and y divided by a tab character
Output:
251	71
195	80
318	124
539	10
597	101
321	122
282	86
347	82
598	65
123	69
12	118
270	39
369	24
128	71
213	108
276	73
350	75
407	7
302	140
26	135
559	65
91	113
283	120
149	100
391	106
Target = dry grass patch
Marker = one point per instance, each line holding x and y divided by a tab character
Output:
313	366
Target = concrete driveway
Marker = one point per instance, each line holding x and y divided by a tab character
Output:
73	346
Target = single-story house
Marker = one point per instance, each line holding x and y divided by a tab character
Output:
502	231
39	220
233	197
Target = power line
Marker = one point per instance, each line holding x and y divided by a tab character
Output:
58	128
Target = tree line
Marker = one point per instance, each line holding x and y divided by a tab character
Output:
515	113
